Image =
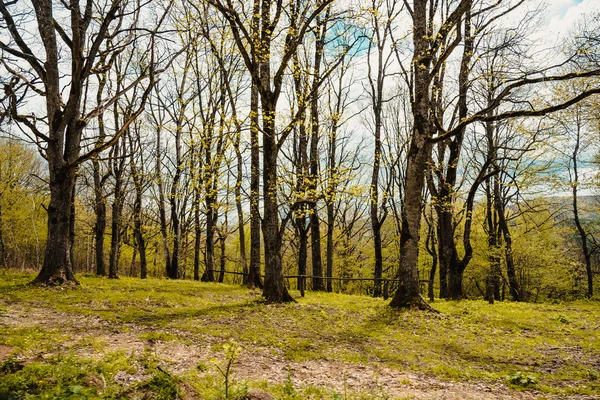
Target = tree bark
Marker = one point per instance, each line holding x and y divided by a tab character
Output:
580	230
274	287
254	278
100	226
408	294
57	267
118	160
315	229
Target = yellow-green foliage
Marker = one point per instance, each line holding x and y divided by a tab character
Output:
22	218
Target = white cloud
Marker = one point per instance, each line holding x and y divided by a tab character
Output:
563	15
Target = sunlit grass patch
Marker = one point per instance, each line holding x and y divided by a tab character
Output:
549	348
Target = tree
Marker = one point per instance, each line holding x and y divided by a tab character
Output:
574	123
430	52
68	64
137	170
381	16
255	45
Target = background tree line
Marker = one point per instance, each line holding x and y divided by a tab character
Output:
432	144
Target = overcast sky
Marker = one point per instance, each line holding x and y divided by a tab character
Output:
563	14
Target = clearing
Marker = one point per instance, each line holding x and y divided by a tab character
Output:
160	339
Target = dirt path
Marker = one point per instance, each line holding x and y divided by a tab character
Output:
253	364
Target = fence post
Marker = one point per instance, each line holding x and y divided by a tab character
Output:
386	284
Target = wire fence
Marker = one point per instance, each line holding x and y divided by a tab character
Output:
387	283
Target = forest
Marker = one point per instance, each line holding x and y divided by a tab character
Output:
395	153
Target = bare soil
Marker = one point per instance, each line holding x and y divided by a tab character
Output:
253	364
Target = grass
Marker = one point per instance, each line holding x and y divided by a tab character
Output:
65	349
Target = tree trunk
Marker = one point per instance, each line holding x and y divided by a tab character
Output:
72	228
161	201
57	267
240	213
173	268
222	258
449	260
209	255
445	232
378	271
197	183
455	278
494	245
2	247
197	240
274	288
254	272
315	230
330	227
580	230
115	239
302	248
100	226
430	246
408	294
139	236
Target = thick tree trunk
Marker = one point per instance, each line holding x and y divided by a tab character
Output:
455	279
408	294
57	267
274	287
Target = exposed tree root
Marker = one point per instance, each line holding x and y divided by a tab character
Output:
413	302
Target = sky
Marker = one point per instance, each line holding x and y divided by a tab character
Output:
562	15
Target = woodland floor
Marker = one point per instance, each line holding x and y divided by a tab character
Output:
159	339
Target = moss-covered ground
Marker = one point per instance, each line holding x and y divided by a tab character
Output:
161	339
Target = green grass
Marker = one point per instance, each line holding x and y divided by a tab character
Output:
543	348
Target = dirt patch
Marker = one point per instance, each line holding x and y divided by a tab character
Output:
253	364
5	352
376	380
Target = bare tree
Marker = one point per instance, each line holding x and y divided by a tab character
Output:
431	49
47	62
